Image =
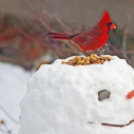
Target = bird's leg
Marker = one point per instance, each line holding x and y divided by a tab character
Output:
100	51
97	52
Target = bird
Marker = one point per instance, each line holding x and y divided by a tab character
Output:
90	40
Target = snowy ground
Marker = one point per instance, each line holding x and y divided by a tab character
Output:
13	86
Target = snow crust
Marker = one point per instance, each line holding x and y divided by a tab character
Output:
63	99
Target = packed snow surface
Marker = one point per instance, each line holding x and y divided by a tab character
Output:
63	99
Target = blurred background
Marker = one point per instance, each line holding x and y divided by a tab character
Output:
23	47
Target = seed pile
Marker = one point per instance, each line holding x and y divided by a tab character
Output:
92	59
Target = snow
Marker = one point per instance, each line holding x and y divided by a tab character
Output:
13	86
63	99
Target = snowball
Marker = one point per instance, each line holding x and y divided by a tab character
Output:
63	99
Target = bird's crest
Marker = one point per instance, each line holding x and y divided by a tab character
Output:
105	17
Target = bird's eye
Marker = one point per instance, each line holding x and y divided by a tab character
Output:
103	94
109	24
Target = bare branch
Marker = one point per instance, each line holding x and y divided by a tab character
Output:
124	41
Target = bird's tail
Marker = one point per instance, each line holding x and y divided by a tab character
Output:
58	36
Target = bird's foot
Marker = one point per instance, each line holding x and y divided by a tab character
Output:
89	52
100	51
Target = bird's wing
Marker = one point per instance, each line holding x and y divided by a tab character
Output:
95	31
95	35
97	39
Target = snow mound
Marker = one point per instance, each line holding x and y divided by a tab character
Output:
63	99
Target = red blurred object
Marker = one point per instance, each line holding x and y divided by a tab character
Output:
130	94
90	40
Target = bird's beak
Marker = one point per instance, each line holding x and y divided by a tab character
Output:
113	26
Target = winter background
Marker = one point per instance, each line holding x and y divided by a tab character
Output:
23	24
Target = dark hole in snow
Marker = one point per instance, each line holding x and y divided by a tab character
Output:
103	94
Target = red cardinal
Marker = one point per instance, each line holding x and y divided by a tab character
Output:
89	40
